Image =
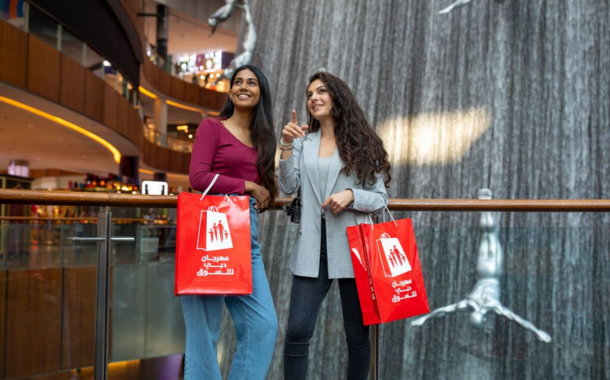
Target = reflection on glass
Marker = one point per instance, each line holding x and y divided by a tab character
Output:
72	46
43	27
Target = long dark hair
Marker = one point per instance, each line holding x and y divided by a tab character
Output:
360	149
261	129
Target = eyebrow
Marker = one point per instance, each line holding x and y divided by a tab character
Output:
254	79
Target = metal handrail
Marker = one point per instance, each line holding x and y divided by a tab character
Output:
40	197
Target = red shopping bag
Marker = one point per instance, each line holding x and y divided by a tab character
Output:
388	273
213	252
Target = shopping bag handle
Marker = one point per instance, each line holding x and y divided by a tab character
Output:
213	208
385	235
389	213
209	187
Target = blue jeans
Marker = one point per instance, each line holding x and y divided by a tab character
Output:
254	319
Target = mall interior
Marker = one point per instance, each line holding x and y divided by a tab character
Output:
100	101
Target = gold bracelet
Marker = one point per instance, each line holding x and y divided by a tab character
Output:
285	148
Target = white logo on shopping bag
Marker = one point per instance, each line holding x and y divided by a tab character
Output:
393	257
214	232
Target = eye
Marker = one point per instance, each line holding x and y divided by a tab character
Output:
308	95
237	81
252	83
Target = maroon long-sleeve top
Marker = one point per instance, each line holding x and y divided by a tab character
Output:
217	151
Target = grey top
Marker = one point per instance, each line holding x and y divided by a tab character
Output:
300	171
323	168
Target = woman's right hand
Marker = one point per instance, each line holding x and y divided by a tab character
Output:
292	130
259	193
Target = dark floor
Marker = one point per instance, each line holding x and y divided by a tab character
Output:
163	368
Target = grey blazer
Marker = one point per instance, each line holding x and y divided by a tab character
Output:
301	170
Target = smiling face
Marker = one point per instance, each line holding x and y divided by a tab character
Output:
245	91
319	102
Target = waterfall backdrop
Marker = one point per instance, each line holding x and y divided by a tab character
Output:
509	95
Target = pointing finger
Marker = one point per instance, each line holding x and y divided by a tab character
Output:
294	117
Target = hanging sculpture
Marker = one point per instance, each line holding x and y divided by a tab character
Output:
485	296
458	3
222	14
250	39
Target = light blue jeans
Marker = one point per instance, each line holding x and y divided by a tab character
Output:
254	319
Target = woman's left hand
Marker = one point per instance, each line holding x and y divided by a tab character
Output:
338	202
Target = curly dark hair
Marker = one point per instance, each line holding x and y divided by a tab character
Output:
360	149
262	131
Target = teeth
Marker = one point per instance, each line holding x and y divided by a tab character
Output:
243	96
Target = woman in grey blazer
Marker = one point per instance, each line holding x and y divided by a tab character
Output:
339	167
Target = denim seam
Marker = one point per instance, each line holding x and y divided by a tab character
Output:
246	339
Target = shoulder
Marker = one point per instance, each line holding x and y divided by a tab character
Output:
210	124
210	127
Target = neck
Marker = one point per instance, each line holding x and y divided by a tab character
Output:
241	119
327	128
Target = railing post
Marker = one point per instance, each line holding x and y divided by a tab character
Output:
101	310
374	336
374	371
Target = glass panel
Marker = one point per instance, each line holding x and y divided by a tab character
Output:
47	293
128	311
94	62
43	27
72	46
147	318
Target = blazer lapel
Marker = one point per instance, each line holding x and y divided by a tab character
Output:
311	148
333	173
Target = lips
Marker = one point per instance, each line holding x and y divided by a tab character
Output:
243	96
316	107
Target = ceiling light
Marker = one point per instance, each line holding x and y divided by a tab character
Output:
147	93
115	152
172	103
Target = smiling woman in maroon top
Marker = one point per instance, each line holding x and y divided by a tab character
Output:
239	147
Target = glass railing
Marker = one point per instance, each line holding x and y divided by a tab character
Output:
167	141
39	24
555	273
206	81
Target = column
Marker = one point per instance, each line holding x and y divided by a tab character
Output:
161	122
129	167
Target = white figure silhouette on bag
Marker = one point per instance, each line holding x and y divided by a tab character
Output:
393	258
214	233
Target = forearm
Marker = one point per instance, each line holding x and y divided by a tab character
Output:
223	185
288	178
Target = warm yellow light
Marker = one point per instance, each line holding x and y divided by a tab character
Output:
146	171
433	138
147	93
180	176
182	128
172	103
115	152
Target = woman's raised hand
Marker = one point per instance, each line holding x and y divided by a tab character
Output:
292	130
